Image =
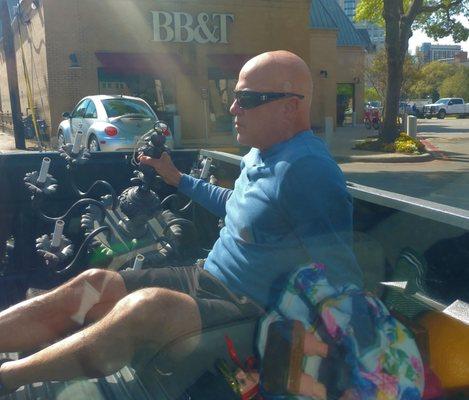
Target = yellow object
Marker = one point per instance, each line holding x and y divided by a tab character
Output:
448	343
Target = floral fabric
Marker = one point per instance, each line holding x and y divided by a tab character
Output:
380	354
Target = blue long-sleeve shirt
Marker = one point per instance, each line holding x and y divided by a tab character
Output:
289	206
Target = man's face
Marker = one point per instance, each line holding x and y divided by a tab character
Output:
257	126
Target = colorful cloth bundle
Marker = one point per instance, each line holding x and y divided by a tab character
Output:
379	357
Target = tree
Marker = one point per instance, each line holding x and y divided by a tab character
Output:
456	85
399	17
432	76
376	73
372	95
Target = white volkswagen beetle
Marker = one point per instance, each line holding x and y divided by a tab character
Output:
109	123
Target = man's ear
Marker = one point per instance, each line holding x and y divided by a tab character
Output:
292	105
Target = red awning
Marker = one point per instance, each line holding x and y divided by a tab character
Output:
155	64
228	63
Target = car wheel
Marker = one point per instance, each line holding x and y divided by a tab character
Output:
93	144
441	114
60	140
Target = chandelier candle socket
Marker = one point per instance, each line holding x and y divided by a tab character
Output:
44	170
57	235
138	263
77	143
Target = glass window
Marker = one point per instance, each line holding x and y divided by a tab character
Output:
80	109
179	61
91	110
119	107
221	96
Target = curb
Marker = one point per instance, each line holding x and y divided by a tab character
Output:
383	158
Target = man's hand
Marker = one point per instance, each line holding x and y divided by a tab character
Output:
164	167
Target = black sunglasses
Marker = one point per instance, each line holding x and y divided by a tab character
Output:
247	99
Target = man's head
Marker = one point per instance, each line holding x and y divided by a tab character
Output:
285	81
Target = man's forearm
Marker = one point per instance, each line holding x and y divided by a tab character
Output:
212	197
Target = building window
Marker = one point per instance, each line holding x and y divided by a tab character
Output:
220	97
159	93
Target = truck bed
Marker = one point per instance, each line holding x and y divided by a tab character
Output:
384	224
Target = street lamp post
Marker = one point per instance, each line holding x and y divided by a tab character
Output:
12	75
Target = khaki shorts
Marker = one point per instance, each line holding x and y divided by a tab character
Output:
217	304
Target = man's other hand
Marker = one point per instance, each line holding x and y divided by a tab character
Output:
164	167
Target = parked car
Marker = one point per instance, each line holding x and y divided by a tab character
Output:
108	123
446	106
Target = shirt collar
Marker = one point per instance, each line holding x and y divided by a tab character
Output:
276	148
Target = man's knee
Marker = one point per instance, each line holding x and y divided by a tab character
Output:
153	308
92	287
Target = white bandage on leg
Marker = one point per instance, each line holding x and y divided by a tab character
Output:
89	299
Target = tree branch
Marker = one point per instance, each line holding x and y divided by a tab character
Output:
415	9
436	7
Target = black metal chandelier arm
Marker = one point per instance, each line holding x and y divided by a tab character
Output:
75	262
97	183
79	203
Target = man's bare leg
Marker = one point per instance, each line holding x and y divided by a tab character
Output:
151	317
47	317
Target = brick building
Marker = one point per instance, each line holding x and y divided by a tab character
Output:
183	56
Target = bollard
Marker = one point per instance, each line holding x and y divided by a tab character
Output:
412	126
328	129
354	119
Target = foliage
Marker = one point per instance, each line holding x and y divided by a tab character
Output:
403	144
406	144
376	74
438	18
436	23
432	75
456	85
371	94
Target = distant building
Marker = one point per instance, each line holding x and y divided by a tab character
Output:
458	59
434	52
349	7
376	34
461	58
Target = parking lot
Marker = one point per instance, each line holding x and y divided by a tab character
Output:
445	179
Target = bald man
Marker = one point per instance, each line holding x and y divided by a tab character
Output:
290	206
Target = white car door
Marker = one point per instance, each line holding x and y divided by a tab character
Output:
90	117
458	106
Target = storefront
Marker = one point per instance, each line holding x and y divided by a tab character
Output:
182	57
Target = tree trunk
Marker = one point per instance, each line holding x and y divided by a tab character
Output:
392	15
390	129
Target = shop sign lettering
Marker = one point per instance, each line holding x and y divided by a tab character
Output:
182	27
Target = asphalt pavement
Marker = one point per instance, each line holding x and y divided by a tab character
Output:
443	179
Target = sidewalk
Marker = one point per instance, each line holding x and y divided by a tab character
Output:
7	144
342	141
